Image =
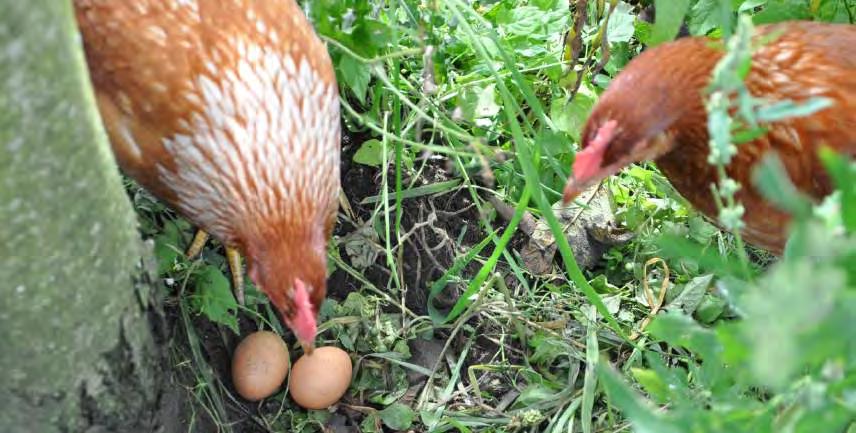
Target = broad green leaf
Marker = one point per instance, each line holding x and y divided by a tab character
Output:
706	15
710	308
431	419
844	175
641	415
214	297
525	20
681	330
570	116
749	5
486	105
370	153
479	104
707	258
653	384
823	416
547	348
675	379
670	16
691	297
371	424
700	230
553	143
356	76
782	10
643	31
784	317
621	28
397	416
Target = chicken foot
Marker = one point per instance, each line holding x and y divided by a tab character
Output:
232	256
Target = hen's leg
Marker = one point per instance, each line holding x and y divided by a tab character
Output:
232	256
197	244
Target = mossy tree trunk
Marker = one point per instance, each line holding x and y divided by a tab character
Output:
77	351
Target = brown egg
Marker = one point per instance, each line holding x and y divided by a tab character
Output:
320	379
259	365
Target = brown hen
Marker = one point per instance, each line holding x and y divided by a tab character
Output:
228	111
654	109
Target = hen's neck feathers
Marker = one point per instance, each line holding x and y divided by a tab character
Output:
661	90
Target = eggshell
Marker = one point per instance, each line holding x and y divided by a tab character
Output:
259	365
320	379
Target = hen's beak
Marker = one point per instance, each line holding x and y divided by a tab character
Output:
577	186
308	347
572	191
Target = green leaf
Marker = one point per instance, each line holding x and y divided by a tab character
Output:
419	191
370	424
681	330
749	5
525	20
710	308
397	416
785	319
709	259
691	297
553	143
479	104
214	297
356	76
534	394
782	10
700	230
675	379
633	406
706	15
570	116
620	27
653	384
643	31
167	247
670	16
486	105
781	110
843	173
370	153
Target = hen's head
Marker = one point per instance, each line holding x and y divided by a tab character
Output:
290	267
656	98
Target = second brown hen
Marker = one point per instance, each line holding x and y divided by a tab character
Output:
654	110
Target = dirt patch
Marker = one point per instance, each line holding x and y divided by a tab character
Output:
437	229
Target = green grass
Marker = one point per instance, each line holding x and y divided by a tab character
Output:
453	102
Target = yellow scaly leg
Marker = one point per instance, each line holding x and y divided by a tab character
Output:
198	242
232	256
